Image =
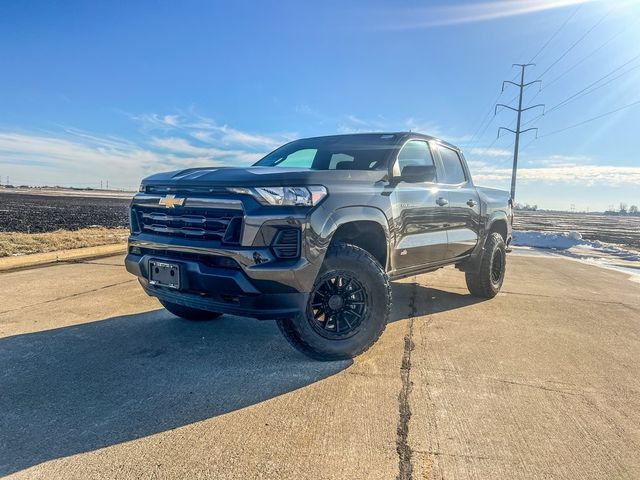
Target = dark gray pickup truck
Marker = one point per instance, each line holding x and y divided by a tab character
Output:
313	234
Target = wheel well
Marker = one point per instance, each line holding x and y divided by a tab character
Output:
365	234
499	226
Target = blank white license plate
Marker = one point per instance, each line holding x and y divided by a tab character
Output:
164	274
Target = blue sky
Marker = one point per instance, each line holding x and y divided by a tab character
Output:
113	91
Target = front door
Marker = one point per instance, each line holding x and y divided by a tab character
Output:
419	213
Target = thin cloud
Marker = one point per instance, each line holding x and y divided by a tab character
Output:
209	131
76	160
583	175
182	147
446	15
491	152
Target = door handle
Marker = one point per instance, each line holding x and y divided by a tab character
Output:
442	201
471	202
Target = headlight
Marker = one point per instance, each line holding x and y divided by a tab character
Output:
286	196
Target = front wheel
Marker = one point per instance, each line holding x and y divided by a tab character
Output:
486	281
347	310
188	313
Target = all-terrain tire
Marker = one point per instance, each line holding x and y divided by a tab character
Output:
188	313
486	281
348	260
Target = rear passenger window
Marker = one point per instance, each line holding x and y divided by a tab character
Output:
415	152
453	172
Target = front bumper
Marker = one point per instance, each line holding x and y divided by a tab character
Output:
266	290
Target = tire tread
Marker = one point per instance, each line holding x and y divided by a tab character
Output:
361	256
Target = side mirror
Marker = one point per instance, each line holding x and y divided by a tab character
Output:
418	173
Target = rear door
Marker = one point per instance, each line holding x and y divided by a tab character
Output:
419	213
464	203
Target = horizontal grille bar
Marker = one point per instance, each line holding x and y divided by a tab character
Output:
190	219
219	224
188	232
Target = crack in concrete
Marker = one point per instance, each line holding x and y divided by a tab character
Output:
405	466
466	375
457	455
542	295
66	297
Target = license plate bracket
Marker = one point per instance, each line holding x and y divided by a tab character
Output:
164	274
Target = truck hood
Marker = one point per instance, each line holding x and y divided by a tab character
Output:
260	176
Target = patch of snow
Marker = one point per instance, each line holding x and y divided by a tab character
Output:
571	244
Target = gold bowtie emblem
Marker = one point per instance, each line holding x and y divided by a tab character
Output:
170	201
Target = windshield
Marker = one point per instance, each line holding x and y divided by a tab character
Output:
347	152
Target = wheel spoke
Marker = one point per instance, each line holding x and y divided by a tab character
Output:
338	305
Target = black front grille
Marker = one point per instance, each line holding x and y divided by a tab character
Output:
287	243
195	223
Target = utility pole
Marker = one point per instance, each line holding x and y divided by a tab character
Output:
519	110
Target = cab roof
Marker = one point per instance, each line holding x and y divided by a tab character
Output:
400	137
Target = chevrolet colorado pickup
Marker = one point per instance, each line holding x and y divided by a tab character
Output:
313	234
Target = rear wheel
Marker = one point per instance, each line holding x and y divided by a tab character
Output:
189	313
347	310
486	281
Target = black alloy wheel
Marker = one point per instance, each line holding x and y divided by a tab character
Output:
497	267
337	305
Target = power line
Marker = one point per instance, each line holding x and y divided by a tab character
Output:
582	93
480	130
582	60
555	34
590	88
586	57
590	119
574	44
484	118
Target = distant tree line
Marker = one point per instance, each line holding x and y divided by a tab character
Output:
623	209
526	207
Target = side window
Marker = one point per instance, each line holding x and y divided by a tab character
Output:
341	161
453	172
415	152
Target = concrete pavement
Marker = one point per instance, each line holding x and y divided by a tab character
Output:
540	382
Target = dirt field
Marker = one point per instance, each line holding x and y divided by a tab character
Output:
32	213
623	230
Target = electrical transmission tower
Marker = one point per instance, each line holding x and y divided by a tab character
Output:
519	111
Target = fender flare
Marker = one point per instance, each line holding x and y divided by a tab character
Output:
473	263
341	216
496	216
